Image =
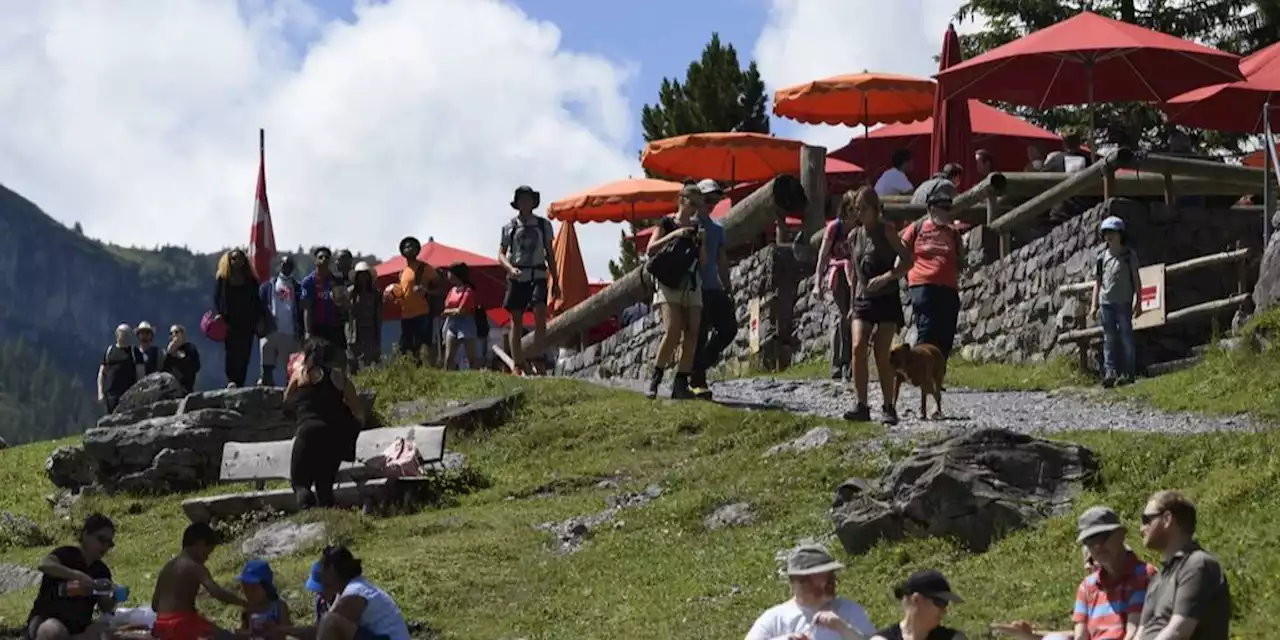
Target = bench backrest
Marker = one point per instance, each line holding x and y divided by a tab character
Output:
245	461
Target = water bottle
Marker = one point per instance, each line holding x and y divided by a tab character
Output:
73	589
102	588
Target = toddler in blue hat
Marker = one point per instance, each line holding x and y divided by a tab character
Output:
266	610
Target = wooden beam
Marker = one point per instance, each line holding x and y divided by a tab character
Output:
1196	168
1204	308
748	218
813	178
1176	268
1127	185
1049	198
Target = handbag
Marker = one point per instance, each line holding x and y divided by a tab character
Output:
673	262
213	326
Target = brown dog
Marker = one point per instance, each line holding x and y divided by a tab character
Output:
924	366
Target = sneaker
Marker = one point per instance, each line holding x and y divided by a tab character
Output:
888	416
1108	382
860	413
837	373
654	382
680	388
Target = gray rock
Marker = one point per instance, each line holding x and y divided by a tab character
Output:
70	467
572	532
484	414
14	577
281	539
1266	292
159	409
153	388
738	514
4	444
22	532
813	439
972	487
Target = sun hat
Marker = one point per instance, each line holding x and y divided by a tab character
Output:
811	559
1112	223
523	190
313	580
928	583
1097	520
144	326
256	572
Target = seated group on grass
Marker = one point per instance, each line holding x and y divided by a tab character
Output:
76	581
1122	598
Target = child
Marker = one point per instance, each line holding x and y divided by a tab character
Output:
266	609
178	584
460	317
1116	288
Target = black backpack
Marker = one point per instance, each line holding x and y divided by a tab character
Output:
674	261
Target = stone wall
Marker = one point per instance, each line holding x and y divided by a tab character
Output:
1011	310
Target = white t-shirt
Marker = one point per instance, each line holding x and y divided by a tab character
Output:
790	617
893	182
381	615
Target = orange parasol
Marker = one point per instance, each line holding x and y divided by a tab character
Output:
857	99
731	157
574	287
618	201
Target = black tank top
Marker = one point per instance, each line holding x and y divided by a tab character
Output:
895	633
873	256
321	401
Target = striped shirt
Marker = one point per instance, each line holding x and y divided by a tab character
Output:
1105	605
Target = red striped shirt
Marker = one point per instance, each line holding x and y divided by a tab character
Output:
1105	604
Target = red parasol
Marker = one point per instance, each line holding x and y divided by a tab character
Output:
951	134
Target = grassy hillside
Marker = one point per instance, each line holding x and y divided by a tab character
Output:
481	570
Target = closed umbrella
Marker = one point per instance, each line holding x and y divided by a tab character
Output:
951	133
571	273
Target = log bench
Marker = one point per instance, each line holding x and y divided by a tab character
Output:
357	485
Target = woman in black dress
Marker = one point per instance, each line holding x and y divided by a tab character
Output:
236	299
326	407
877	261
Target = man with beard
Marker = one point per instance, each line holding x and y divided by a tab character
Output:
1190	598
814	612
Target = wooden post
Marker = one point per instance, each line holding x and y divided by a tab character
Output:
993	208
1242	271
1169	197
813	178
1109	184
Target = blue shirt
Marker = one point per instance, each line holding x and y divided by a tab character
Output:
318	290
381	618
713	242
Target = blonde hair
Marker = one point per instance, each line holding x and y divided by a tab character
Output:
224	265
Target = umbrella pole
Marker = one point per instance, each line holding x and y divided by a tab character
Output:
1093	132
866	131
1267	167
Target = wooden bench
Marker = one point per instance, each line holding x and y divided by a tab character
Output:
259	462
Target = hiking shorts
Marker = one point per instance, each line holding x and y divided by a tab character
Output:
879	310
525	296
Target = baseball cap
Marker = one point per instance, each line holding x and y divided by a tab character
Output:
928	583
943	192
1113	223
256	572
709	187
313	580
1097	520
811	559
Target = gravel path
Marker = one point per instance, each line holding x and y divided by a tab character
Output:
1026	411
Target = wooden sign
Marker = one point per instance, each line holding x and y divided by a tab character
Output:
753	333
1151	297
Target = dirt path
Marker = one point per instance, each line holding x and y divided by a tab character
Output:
1039	412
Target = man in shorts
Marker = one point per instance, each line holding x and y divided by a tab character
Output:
525	252
178	584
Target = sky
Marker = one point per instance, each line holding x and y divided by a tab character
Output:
384	118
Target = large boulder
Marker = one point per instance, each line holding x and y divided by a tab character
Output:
153	388
1266	293
159	409
70	468
973	487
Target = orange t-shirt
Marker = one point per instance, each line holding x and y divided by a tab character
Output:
936	253
413	304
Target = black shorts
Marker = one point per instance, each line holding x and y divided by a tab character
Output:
879	309
525	296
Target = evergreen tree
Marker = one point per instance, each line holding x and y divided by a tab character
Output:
1236	26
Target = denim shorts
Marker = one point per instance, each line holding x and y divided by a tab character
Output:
460	327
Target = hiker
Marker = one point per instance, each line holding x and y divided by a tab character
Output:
364	321
1109	600
235	298
460	317
933	281
328	415
924	597
343	273
1189	598
679	242
147	356
894	180
280	296
416	279
985	161
435	321
266	609
321	317
1116	301
181	358
525	252
72	584
178	584
117	371
360	609
833	259
878	262
813	612
719	324
949	173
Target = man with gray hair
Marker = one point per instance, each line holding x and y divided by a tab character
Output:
813	612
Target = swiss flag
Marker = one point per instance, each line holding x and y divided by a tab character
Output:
262	237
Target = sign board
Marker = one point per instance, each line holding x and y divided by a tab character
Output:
753	333
1151	298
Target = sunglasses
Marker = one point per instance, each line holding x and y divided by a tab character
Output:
175	333
1148	518
939	603
106	541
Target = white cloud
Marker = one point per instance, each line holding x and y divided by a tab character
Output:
809	39
139	119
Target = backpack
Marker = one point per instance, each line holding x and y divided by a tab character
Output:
673	262
400	460
544	231
1129	253
953	232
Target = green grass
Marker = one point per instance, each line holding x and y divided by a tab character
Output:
479	569
981	376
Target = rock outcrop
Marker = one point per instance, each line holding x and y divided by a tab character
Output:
974	487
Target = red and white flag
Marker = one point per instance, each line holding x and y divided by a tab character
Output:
262	237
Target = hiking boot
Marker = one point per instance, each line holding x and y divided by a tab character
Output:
888	416
680	387
654	382
860	413
699	386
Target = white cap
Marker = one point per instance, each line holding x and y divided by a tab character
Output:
707	187
362	266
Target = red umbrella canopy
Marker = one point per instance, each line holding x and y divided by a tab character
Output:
1006	136
1089	59
1234	106
486	273
951	135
